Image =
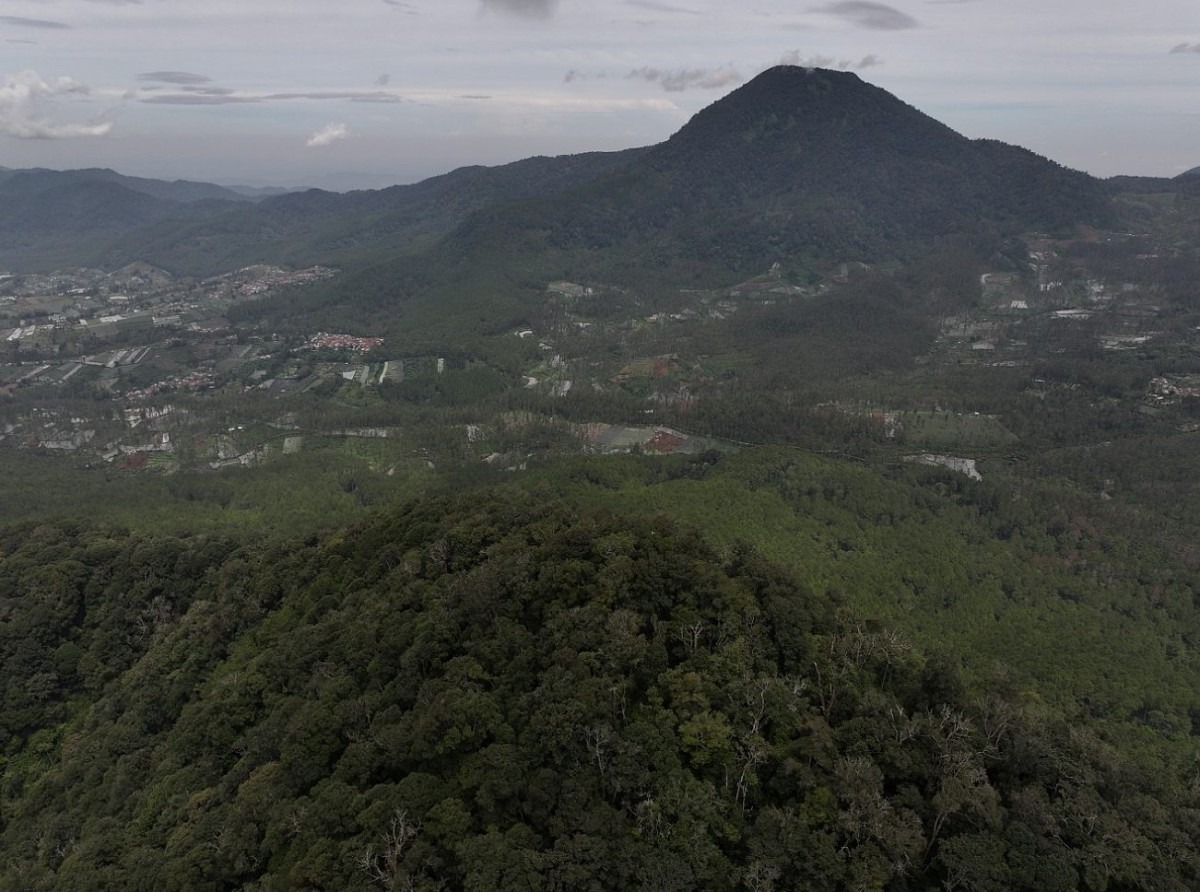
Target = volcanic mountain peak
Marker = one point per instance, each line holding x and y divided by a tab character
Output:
788	107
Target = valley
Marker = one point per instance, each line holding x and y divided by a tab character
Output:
138	371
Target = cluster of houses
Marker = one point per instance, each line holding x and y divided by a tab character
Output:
343	342
1164	390
192	382
266	280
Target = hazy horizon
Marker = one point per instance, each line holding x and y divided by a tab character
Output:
267	93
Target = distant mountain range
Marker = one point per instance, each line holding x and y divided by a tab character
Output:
54	218
101	218
799	165
40	180
356	227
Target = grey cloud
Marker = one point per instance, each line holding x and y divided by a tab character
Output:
197	99
18	40
576	75
174	77
21	22
383	80
530	9
473	96
328	135
1185	48
660	7
867	14
352	95
407	8
22	97
377	97
686	78
795	58
194	95
209	91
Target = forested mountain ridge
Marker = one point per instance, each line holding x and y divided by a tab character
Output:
50	218
63	208
499	692
201	229
35	180
354	227
797	166
808	169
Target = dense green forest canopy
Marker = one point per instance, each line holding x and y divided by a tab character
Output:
504	692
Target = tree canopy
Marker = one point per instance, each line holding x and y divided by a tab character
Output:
504	692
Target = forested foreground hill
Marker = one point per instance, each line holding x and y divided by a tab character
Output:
504	692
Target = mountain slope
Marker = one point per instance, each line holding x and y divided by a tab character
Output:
63	218
102	218
799	164
182	191
311	226
805	168
38	210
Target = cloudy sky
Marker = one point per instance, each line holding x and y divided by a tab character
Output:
368	92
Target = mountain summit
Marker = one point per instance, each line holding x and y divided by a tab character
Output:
803	123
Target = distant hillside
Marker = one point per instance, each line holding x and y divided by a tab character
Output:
808	169
35	208
797	165
329	227
183	191
54	218
52	223
258	192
